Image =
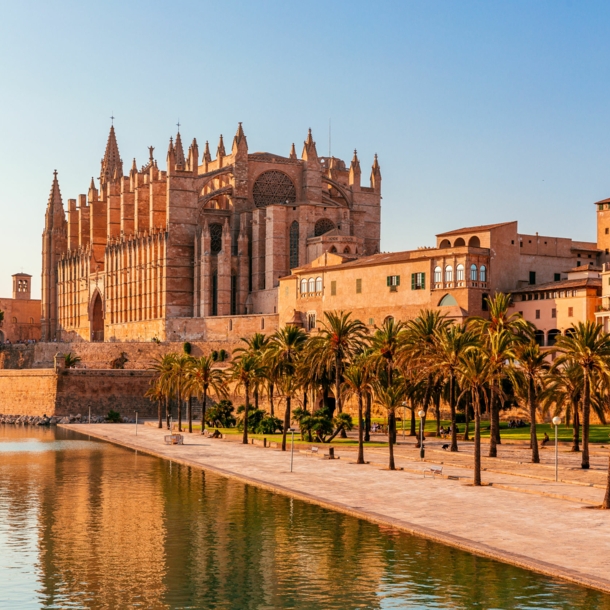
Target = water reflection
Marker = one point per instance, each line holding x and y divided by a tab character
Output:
87	524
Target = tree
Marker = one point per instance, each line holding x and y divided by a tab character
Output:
418	345
178	379
155	393
246	371
588	348
203	377
389	397
163	368
528	377
357	380
257	345
340	338
285	349
451	344
71	360
473	372
499	321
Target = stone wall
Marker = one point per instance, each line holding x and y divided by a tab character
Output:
43	391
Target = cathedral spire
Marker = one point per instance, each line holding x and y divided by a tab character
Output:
111	163
293	152
207	157
220	151
179	151
55	206
354	170
134	168
92	195
239	141
171	156
309	149
376	175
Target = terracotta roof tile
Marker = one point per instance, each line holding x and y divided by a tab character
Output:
475	229
580	283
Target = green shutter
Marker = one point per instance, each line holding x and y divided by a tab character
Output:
388	280
413	281
398	280
423	281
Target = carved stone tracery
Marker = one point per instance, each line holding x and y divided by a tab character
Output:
273	187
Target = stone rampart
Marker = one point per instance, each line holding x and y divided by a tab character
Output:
44	391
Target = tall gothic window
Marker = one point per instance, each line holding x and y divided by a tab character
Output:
216	237
215	293
273	187
294	245
324	225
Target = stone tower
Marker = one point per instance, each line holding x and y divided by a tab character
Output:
54	244
22	286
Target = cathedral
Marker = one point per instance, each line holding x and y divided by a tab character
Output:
154	250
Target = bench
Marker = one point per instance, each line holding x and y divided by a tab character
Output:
433	470
174	439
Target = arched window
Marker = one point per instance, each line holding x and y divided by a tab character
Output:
233	294
445	244
215	293
216	237
459	273
312	285
449	273
14	320
294	245
303	286
483	273
447	301
459	242
273	187
324	225
333	250
474	242
346	250
438	275
539	337
318	284
473	273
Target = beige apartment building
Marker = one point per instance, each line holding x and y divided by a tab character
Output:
456	276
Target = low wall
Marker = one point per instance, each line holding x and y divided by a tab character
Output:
69	392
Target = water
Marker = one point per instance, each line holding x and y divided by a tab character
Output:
86	524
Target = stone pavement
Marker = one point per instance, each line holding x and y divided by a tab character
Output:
522	519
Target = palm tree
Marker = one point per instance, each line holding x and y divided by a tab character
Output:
246	371
339	339
156	393
473	373
71	360
499	321
357	380
285	349
452	342
528	377
419	342
385	345
390	397
178	379
257	345
204	377
163	368
587	347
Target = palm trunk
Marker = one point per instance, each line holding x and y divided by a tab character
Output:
477	440
606	503
493	446
271	407
466	421
426	405
586	412
255	393
454	445
576	428
160	414
413	428
286	422
367	419
179	411
437	413
392	465
189	406
203	405
167	412
338	402
392	427
532	407
245	436
360	459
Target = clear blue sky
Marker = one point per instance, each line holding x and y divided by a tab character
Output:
480	111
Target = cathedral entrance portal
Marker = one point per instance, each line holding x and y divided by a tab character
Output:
97	319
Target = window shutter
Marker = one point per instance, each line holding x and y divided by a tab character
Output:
423	281
413	281
389	280
398	280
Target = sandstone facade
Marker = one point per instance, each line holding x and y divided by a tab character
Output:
159	253
21	313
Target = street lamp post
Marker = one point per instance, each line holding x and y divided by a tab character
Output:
291	430
422	451
556	422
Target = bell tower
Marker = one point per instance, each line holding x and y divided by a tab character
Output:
603	230
22	286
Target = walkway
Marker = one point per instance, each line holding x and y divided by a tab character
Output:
530	522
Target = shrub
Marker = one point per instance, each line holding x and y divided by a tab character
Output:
215	355
114	417
222	355
221	414
269	425
186	346
255	416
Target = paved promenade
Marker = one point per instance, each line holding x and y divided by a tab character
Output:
522	517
